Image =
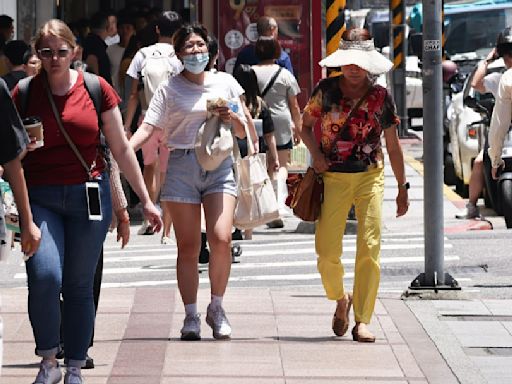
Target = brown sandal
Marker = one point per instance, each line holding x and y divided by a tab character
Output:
340	326
362	336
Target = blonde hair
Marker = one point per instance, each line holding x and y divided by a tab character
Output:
56	28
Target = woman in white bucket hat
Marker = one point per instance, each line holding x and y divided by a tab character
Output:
354	113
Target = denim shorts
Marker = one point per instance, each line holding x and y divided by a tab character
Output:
187	182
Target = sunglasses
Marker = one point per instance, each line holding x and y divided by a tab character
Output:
48	53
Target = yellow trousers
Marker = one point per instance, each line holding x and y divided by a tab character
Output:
365	190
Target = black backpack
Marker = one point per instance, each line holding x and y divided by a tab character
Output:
93	87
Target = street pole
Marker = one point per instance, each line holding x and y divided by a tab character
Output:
399	52
434	276
335	20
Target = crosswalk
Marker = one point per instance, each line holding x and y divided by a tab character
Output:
285	259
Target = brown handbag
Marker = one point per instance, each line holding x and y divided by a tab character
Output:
307	196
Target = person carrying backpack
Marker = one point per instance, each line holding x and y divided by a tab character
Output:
70	199
153	66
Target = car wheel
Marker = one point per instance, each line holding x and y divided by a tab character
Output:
487	199
450	178
506	202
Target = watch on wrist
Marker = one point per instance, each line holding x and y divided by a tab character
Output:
405	186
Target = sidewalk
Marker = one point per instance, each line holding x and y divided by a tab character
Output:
283	334
279	336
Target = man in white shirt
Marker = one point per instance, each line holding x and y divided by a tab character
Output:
502	114
485	83
154	151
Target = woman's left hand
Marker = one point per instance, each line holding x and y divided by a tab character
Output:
123	227
152	215
402	202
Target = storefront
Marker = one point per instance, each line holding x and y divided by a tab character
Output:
300	32
301	25
30	14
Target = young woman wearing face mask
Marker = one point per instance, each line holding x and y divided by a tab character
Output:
179	108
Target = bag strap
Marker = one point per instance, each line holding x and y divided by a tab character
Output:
23	93
271	82
352	111
93	87
56	113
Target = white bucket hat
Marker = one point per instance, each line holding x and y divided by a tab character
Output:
360	53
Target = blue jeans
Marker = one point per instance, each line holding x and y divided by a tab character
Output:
65	262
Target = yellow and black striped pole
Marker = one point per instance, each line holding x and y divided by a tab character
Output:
398	23
399	53
335	25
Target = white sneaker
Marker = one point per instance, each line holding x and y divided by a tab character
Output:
191	328
48	373
145	229
216	318
165	240
470	212
73	376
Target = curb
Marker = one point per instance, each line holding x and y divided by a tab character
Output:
418	167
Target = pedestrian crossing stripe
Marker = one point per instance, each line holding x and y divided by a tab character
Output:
281	251
234	279
291	264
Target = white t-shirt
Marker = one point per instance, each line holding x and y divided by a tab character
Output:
492	82
138	60
277	98
179	106
115	54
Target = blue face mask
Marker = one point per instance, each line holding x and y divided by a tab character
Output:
196	63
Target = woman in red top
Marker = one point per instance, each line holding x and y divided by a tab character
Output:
71	238
351	160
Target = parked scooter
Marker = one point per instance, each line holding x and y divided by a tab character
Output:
453	83
498	192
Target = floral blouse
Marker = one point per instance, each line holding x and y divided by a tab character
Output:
360	141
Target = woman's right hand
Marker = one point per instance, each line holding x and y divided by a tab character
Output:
32	146
152	215
30	239
320	163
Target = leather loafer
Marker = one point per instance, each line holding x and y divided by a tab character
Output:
340	325
362	335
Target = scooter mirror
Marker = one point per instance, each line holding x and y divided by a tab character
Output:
456	87
473	104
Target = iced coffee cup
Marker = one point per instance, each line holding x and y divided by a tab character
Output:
34	128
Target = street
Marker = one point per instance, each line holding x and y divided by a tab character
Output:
478	260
